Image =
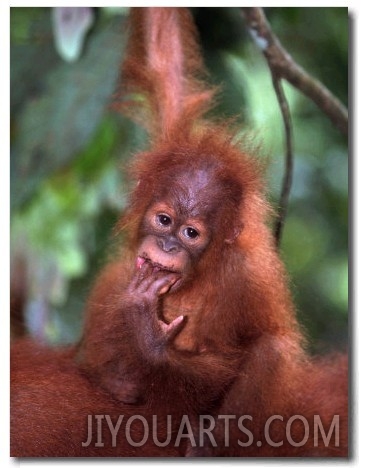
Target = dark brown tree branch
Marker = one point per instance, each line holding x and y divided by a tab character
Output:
289	160
283	66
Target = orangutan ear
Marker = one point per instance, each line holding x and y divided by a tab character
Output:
236	231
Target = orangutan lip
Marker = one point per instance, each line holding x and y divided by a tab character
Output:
156	266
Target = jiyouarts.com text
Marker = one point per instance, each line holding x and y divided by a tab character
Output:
136	430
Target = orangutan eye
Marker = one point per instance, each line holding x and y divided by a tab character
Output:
163	219
191	233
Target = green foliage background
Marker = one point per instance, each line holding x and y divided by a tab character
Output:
69	147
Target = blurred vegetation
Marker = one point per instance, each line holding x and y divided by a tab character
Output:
69	147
